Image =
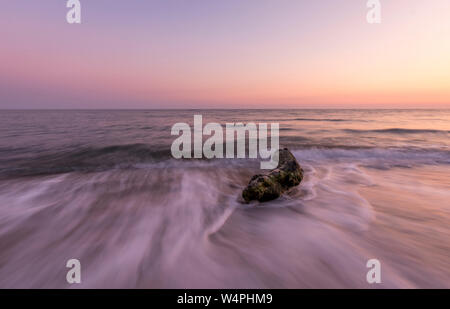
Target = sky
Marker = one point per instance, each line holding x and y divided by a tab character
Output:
224	54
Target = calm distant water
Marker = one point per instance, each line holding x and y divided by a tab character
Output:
101	186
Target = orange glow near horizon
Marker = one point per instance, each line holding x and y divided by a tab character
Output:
324	56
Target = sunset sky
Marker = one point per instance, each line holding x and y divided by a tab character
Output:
224	54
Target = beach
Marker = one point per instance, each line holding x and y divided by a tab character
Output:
102	187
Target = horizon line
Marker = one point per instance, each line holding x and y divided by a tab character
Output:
240	109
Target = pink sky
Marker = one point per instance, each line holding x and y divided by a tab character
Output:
219	54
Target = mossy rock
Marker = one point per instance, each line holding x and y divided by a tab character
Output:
264	188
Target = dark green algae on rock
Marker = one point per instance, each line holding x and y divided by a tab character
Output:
267	187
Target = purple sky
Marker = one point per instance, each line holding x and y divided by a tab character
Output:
233	53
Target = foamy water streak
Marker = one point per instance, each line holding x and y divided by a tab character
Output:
111	197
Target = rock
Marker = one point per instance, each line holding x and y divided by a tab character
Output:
270	186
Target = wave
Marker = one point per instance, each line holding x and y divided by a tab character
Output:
156	229
88	159
322	119
397	131
382	158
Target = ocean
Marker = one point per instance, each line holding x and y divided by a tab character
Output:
102	187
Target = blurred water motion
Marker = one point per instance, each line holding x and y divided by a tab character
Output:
101	187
